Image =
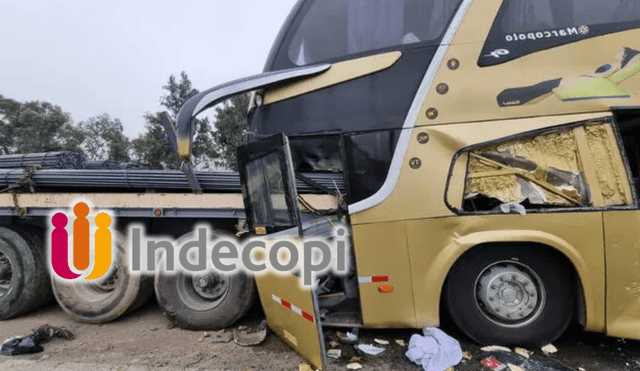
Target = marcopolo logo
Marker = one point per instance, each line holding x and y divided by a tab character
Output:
81	237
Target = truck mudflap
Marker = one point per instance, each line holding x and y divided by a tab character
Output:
292	314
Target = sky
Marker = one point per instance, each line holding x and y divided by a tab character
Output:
113	56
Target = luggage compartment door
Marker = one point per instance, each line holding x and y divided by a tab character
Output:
292	313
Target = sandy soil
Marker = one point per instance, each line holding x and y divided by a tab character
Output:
145	340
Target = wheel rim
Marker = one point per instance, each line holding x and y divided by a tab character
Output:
6	273
202	292
510	294
106	284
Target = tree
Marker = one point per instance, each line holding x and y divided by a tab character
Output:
154	149
105	139
37	127
9	111
231	126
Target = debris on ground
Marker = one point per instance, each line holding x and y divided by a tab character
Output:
334	344
523	352
401	342
305	367
191	362
435	351
495	348
549	349
500	361
32	343
221	337
467	355
348	338
247	337
334	353
381	342
369	349
354	366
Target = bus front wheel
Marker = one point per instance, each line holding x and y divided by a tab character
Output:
511	294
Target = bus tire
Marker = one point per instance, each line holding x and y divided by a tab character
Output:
106	298
24	277
511	294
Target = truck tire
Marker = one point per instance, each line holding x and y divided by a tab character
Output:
24	277
203	301
105	299
511	294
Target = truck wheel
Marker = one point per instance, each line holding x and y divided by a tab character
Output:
511	294
107	298
203	301
24	278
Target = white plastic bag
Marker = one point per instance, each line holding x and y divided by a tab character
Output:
435	351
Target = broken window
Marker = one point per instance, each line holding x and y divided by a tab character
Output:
566	168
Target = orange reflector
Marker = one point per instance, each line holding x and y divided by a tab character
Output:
261	230
385	289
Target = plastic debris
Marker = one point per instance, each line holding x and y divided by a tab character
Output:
467	355
369	349
401	342
513	208
334	344
381	342
32	344
549	349
435	351
221	337
334	353
495	348
506	361
494	364
523	352
348	338
247	338
354	366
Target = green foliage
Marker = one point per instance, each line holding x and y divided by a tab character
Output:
37	127
231	126
105	139
153	148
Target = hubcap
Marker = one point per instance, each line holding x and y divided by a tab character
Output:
510	294
210	286
5	275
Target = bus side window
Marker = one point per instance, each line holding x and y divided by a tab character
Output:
548	170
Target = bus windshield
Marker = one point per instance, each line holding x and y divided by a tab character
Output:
329	30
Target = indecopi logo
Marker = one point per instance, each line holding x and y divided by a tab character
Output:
81	236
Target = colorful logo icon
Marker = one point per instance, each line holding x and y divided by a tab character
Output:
81	244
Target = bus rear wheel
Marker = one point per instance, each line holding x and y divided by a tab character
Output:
511	294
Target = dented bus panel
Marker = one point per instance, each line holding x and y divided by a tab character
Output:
490	153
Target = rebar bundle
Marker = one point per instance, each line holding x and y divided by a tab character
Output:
57	160
163	180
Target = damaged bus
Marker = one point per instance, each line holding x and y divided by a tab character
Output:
490	155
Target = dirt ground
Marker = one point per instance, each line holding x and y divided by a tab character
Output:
144	340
